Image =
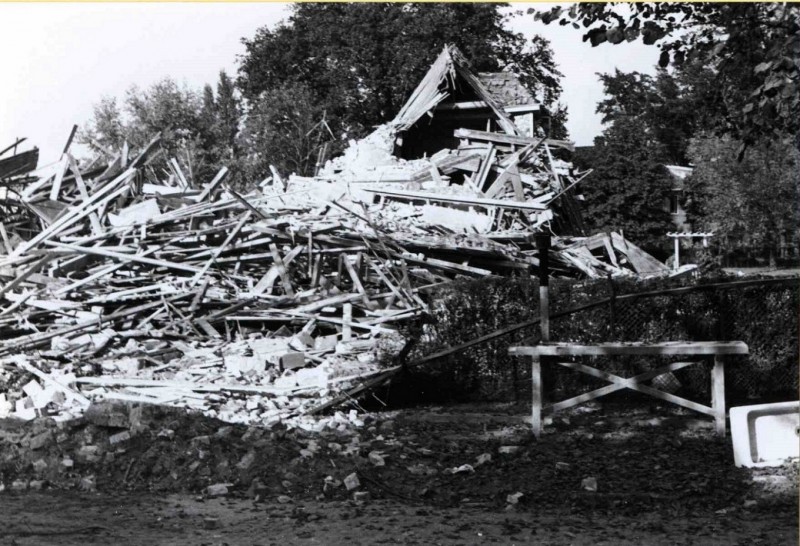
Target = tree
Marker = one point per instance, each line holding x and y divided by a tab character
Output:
360	61
199	131
282	128
629	185
751	206
673	106
752	48
228	110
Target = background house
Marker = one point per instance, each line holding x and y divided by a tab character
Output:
676	198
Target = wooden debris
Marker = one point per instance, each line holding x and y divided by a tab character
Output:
192	294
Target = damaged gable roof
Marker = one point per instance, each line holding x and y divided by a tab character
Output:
507	89
436	86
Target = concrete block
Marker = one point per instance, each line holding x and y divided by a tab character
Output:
106	414
247	461
40	440
290	361
217	490
23	409
89	454
6	407
87	483
242	364
765	434
352	482
326	343
120	437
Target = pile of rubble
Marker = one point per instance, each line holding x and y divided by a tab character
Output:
119	283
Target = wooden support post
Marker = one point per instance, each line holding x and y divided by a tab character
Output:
347	318
718	394
676	264
543	244
536	396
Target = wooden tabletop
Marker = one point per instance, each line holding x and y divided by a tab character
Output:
632	348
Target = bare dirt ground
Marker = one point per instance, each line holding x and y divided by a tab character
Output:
661	477
139	519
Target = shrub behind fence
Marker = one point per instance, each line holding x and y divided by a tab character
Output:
763	314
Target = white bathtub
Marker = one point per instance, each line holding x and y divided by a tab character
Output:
765	434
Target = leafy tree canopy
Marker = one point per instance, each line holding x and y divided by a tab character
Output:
753	50
360	61
748	205
283	128
673	106
199	130
629	185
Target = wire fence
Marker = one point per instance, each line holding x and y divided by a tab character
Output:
763	313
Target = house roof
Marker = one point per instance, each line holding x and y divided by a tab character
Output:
507	89
439	83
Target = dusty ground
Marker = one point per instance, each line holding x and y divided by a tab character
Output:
136	519
662	478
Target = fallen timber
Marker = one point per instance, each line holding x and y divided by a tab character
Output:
263	305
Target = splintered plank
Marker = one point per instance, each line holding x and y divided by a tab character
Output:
316	271
99	251
459	199
266	282
486	166
222	247
633	348
97	229
347	319
22	363
102	197
6	242
509	174
176	168
25	274
281	270
353	274
642	262
22	343
513	140
55	189
214	185
199	295
375	267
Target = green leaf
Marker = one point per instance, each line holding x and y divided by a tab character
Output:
615	35
597	36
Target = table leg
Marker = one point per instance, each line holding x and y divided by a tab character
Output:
536	388
718	394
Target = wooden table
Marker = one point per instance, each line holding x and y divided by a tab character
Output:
715	349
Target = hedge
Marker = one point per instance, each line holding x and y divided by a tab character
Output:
764	315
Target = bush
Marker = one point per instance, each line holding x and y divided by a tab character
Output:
762	315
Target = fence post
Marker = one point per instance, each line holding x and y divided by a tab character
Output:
612	305
543	245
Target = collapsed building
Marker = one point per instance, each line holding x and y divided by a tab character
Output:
121	283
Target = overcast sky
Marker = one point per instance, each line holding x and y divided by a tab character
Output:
58	59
